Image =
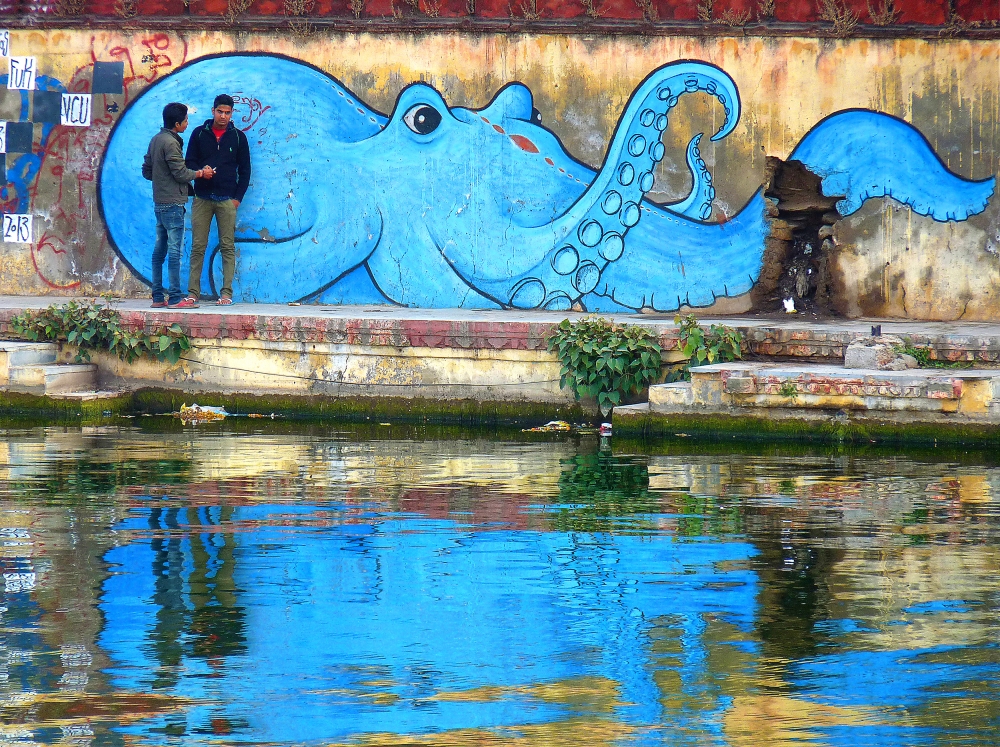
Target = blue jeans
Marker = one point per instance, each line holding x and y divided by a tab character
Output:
169	243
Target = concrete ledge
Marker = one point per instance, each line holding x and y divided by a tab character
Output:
790	337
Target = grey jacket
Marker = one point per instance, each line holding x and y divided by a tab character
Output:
164	166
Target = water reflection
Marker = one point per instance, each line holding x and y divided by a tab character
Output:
304	586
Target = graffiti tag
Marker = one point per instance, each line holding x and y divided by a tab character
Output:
255	109
17	228
22	73
75	110
4	43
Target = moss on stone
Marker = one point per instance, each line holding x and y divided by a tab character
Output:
301	407
749	428
36	407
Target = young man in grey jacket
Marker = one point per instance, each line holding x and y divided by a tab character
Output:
164	166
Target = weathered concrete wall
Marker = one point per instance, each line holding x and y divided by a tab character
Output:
327	220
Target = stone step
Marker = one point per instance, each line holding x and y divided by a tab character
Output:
15	353
54	378
770	386
675	393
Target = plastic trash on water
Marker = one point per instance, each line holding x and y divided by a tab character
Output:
201	414
553	426
605	429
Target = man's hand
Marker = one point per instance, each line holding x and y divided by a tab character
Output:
236	203
207	172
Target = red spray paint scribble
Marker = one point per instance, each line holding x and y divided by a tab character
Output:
73	154
256	109
45	240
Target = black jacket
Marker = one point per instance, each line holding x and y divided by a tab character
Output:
230	157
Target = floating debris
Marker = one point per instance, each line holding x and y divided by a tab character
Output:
553	426
605	429
198	414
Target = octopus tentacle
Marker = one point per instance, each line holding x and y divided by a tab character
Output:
698	203
860	154
579	244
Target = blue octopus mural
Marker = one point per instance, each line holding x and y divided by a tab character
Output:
440	206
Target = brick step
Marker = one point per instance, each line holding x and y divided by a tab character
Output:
15	354
54	378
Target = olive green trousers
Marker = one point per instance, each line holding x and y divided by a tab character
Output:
224	212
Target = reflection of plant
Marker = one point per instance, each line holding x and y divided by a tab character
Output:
605	360
91	325
702	515
600	492
721	344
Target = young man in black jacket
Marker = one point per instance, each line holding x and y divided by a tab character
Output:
221	145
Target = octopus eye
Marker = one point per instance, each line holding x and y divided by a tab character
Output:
536	117
422	119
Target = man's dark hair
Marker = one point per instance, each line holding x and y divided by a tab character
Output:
223	99
174	114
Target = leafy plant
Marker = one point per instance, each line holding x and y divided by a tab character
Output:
720	344
788	389
924	359
605	360
92	325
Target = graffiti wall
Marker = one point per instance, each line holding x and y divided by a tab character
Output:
522	171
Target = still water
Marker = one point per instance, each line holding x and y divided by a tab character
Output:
246	583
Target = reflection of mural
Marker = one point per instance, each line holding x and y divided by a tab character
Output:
439	206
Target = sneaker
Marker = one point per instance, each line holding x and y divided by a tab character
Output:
158	305
187	303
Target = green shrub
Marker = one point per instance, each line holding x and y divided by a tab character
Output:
605	360
924	359
92	325
788	389
720	344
